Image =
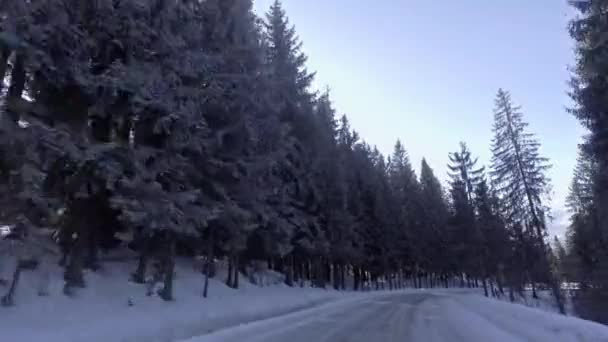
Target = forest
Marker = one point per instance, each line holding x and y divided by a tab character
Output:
192	128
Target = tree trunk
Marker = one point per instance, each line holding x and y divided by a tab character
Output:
499	284
322	273
168	269
73	273
493	289
399	276
343	269
290	273
559	299
511	295
296	269
236	271
139	276
309	271
357	278
534	294
336	276
279	265
485	287
301	268
327	272
230	271
9	298
208	263
92	259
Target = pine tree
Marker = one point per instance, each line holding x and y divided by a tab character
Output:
495	244
405	190
114	146
518	170
193	127
585	243
519	174
433	238
465	178
294	105
288	64
588	91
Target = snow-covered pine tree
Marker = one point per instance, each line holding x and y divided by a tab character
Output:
288	64
245	134
112	144
293	102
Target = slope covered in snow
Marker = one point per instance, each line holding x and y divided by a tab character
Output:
113	309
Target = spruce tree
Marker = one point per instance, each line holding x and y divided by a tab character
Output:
493	238
588	90
434	234
465	178
584	240
519	175
405	189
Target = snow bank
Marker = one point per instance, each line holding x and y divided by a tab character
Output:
472	317
113	309
545	301
102	311
535	324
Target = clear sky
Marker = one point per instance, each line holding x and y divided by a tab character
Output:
426	72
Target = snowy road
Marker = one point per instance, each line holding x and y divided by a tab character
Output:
422	316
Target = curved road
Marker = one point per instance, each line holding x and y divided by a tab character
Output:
419	316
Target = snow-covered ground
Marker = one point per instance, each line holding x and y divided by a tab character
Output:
103	312
545	301
425	316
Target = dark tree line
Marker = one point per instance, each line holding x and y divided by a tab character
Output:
584	260
192	126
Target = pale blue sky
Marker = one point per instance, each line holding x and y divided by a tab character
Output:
426	72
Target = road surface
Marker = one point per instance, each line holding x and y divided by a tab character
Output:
422	316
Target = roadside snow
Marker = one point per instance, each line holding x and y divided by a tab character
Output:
417	316
471	317
545	301
113	309
101	312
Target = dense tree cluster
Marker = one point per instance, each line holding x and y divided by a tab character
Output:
586	259
192	127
